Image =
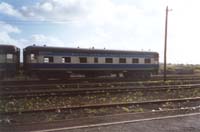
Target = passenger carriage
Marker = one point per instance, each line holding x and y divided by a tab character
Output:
9	60
59	62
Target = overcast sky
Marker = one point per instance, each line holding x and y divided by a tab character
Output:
111	24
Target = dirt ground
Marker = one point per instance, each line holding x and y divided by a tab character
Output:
179	124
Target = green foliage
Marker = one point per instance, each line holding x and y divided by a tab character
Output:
91	111
125	109
138	110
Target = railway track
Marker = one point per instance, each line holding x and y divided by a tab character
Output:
98	121
70	80
46	92
131	123
93	84
100	84
195	100
97	80
77	113
29	94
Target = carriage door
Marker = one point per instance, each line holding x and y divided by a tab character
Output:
9	57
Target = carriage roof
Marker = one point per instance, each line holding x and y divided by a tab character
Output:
83	50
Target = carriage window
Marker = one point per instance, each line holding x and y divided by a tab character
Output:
147	61
9	56
83	59
95	60
109	60
33	57
48	59
135	60
122	60
66	59
156	57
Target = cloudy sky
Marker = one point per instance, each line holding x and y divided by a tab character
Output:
111	24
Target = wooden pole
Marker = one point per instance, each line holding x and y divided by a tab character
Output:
165	47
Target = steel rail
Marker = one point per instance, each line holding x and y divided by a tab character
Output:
95	90
78	80
86	85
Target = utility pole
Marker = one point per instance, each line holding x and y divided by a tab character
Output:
165	47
